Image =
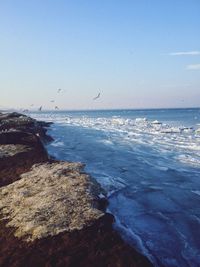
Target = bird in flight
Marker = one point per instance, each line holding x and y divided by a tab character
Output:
52	101
96	97
59	90
40	108
56	107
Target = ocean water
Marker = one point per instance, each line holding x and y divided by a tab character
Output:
148	163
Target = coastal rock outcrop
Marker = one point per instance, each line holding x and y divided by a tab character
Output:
18	152
50	212
51	198
20	145
23	123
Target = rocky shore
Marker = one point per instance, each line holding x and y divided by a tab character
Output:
50	212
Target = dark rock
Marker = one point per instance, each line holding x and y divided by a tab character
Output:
102	203
5	116
23	123
97	245
17	129
12	165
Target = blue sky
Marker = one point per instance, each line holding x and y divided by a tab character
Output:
138	54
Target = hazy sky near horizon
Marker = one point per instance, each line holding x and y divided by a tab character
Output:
137	53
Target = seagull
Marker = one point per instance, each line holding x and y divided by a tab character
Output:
59	90
56	107
96	97
52	101
32	105
40	108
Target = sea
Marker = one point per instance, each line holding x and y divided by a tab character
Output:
148	164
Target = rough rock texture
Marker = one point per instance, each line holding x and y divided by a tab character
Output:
7	151
51	198
49	212
18	130
16	121
96	245
18	160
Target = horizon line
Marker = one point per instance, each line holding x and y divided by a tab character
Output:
93	109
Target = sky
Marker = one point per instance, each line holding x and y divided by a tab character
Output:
136	53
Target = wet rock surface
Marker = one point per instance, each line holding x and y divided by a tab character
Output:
49	210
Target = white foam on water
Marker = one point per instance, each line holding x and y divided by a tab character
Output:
107	142
111	184
197	192
141	131
198	131
171	130
196	217
162	168
190	160
156	122
134	239
57	144
154	187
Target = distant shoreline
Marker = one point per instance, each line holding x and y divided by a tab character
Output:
97	110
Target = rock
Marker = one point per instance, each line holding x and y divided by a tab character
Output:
16	121
20	137
51	198
7	151
95	245
19	151
17	159
18	130
5	116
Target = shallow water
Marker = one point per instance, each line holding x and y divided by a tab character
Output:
148	162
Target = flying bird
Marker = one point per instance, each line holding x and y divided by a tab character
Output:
59	90
52	101
56	107
96	97
40	108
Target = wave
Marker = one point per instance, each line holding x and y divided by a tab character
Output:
140	131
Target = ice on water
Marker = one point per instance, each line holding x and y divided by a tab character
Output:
184	140
149	165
